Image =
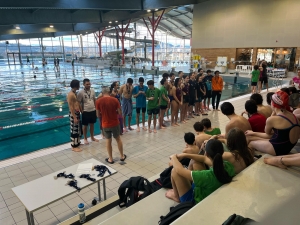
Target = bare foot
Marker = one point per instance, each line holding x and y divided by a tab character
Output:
173	125
155	131
138	129
130	128
150	131
144	128
94	139
161	127
103	137
170	194
76	149
176	124
125	130
86	142
275	161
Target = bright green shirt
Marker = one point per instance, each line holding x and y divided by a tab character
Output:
206	182
163	91
153	104
215	131
255	75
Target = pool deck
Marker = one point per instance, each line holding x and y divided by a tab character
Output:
148	154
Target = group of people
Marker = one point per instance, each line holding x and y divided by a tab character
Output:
216	158
259	77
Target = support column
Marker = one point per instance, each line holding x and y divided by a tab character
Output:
20	59
122	31
42	47
63	48
98	38
135	39
81	43
154	24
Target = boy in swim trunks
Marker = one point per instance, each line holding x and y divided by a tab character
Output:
74	116
126	97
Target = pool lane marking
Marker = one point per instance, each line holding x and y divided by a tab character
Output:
32	122
30	107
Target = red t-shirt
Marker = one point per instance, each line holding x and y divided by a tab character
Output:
108	107
257	122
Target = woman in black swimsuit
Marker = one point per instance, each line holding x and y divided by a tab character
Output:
281	132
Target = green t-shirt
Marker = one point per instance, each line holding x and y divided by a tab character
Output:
163	90
153	104
215	131
206	182
255	75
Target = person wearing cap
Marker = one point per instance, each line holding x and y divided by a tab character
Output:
139	92
281	132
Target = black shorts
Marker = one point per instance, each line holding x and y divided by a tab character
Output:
153	111
208	94
89	117
192	101
163	107
138	110
200	98
186	99
253	83
263	80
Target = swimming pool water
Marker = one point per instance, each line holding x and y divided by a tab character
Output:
33	112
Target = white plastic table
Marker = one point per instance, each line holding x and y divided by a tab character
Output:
43	191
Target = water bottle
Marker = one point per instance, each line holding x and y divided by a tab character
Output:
81	213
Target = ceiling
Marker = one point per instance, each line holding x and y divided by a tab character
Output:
73	17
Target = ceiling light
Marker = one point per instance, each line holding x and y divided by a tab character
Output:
17	27
109	26
156	10
116	21
109	21
148	10
86	32
51	26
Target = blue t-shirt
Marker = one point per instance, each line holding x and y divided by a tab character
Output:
140	99
207	82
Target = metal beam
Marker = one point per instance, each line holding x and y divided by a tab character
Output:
74	4
186	26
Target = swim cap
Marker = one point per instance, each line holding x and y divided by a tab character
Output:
280	100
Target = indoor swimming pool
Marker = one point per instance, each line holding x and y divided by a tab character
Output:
34	111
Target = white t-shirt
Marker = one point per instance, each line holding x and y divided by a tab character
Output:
87	99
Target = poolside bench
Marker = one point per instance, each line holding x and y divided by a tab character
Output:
253	193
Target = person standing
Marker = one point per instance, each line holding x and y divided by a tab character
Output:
126	97
254	79
177	101
264	77
192	92
164	101
109	108
74	116
114	92
139	92
27	58
152	96
207	81
87	100
217	88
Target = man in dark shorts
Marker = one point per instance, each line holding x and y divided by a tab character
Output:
207	81
264	77
192	93
109	108
139	92
87	100
164	101
152	96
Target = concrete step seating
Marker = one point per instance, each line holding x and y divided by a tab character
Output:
252	193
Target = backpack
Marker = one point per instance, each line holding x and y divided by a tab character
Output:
238	220
176	212
165	177
129	191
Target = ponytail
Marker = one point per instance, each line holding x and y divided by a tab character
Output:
219	170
